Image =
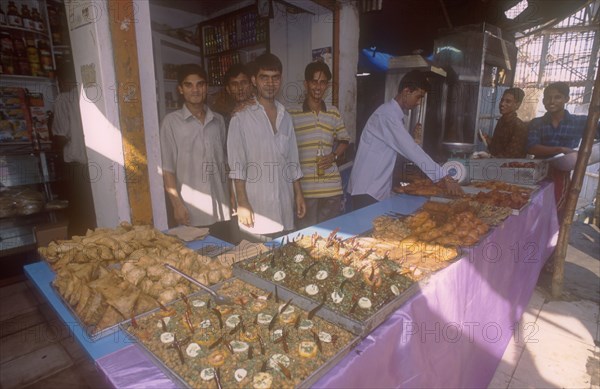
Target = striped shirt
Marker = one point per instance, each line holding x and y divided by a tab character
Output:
311	129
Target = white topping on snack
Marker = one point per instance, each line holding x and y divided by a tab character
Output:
288	310
264	267
192	350
264	298
337	297
348	272
395	290
298	258
264	318
198	303
364	303
322	274
312	289
279	275
325	337
282	359
232	321
205	323
240	374
207	374
167	337
239	346
166	319
276	334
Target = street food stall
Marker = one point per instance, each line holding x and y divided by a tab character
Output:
321	306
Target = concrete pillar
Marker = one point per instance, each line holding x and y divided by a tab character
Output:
94	68
349	31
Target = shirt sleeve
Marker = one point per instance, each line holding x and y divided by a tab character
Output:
168	150
341	132
395	135
236	152
294	160
533	135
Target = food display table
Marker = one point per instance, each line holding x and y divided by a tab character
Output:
452	333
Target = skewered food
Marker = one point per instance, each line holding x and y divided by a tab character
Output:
253	353
340	275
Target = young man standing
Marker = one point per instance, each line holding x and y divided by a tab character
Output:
384	136
319	126
558	131
193	157
237	91
263	157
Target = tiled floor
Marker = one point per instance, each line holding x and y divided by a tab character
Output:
558	342
36	350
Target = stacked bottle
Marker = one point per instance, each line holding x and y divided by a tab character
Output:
25	49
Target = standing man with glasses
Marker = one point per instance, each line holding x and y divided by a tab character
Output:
193	157
263	157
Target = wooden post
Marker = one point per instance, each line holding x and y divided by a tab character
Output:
574	189
596	220
131	119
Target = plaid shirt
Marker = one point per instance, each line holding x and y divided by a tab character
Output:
567	134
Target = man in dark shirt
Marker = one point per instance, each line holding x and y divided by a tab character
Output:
510	134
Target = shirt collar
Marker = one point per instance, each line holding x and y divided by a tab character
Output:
548	119
397	108
187	114
306	108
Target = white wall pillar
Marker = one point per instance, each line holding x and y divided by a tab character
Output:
94	68
348	63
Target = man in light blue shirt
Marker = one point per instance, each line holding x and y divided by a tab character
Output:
383	137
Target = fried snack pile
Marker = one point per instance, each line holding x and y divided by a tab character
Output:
454	224
503	186
489	214
391	242
111	274
514	200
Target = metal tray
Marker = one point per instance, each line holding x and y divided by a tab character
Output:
361	328
491	169
90	331
180	382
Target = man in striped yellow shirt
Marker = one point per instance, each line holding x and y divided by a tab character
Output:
318	126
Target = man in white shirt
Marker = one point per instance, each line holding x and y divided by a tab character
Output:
192	142
68	136
383	137
263	157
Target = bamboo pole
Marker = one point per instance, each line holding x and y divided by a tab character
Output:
596	216
574	189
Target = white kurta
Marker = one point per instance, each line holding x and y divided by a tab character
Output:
67	123
195	153
269	164
382	138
